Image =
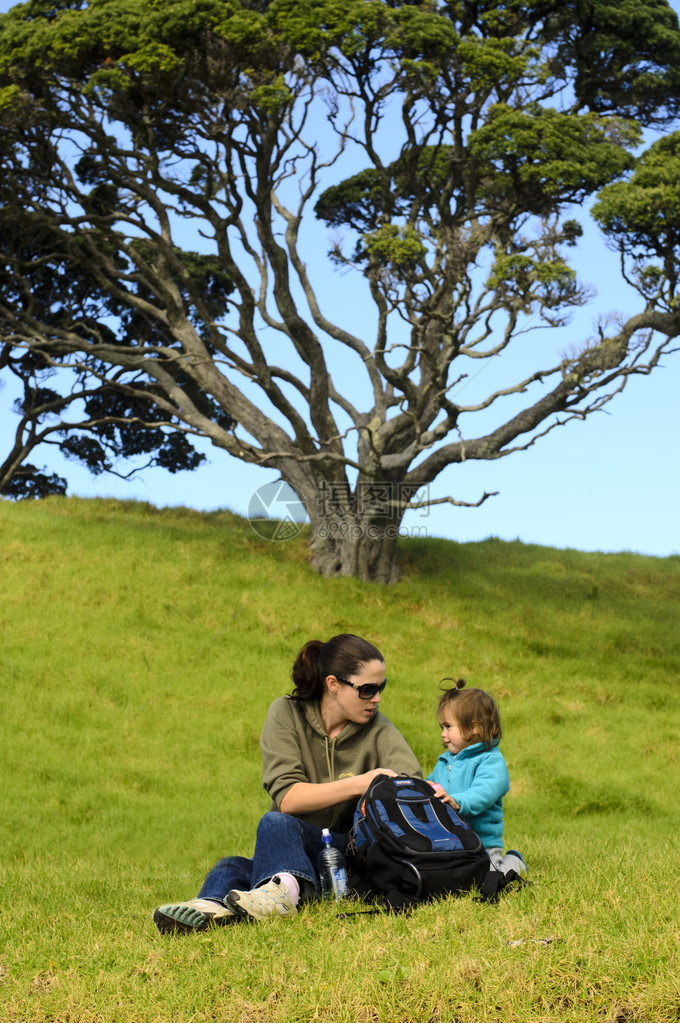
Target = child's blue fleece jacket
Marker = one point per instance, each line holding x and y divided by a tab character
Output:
477	778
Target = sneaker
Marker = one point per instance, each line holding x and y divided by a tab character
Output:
195	915
271	899
513	860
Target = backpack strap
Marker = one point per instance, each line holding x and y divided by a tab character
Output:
407	867
492	885
495	881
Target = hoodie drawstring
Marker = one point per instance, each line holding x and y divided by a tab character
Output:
329	747
330	757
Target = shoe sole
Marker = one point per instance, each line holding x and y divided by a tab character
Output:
187	921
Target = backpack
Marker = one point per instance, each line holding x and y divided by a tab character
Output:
408	845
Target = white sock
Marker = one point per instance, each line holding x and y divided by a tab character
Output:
291	883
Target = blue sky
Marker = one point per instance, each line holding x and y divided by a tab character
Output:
610	483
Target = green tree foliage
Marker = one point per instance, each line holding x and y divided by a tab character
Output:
641	217
467	130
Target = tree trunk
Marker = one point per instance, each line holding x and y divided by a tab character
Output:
351	545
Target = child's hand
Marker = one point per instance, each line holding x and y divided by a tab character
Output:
445	798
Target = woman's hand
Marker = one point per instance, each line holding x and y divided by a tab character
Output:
364	780
308	797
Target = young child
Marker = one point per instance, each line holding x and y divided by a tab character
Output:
471	774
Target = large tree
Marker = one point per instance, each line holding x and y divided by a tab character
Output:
160	163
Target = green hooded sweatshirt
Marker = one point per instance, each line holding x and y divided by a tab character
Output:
296	748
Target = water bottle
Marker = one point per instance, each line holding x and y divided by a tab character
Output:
332	869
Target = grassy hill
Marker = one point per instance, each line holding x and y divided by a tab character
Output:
140	650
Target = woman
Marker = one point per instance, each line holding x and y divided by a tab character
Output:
321	747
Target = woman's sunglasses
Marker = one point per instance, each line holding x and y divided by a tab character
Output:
367	690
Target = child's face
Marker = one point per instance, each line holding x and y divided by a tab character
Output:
451	734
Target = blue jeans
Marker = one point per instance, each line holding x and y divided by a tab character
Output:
284	844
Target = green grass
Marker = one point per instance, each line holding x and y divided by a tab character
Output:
140	650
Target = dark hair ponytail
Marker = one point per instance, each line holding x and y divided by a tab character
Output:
342	656
306	671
